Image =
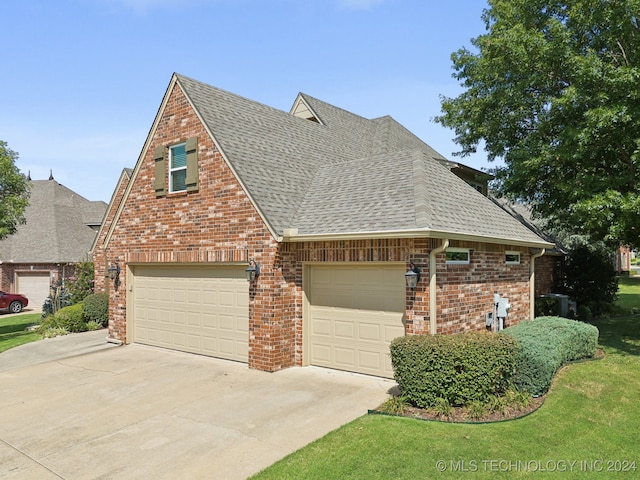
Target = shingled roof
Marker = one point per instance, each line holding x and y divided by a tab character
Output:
321	172
61	226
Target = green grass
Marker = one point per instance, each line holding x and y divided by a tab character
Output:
13	330
591	417
629	293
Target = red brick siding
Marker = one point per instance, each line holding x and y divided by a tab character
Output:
219	224
99	258
464	292
545	267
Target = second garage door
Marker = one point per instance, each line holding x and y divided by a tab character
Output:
201	310
354	313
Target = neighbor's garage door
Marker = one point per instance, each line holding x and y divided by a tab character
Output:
354	313
201	310
34	286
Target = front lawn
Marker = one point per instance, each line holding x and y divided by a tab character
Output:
629	293
13	330
589	426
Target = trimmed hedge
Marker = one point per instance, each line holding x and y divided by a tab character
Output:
96	308
459	368
544	345
69	319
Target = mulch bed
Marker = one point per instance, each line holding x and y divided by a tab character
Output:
461	414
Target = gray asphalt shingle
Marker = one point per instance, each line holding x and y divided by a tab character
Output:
346	174
57	229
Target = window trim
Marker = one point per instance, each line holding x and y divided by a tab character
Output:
512	262
458	250
172	170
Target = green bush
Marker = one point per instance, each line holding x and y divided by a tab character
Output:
591	279
546	306
544	345
69	319
96	308
81	283
457	369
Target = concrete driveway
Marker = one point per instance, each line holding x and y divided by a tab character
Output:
143	412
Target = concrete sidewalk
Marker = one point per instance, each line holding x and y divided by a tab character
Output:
55	348
136	412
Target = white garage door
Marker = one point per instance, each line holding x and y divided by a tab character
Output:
201	310
35	286
354	313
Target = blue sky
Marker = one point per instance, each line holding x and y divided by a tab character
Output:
83	79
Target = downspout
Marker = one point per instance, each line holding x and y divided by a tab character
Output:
433	306
532	282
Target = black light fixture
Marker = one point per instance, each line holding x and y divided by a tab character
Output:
412	276
252	271
114	273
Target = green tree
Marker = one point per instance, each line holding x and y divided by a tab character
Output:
81	284
14	192
553	90
591	279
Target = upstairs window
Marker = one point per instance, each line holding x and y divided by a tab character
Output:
457	256
180	165
512	258
178	168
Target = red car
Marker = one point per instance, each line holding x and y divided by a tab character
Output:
13	302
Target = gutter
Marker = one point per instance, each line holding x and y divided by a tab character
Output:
292	235
532	283
433	306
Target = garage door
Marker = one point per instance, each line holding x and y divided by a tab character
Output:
35	286
201	310
354	313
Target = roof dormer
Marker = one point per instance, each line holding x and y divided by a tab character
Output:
302	109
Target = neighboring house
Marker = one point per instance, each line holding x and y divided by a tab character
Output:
333	208
622	260
59	230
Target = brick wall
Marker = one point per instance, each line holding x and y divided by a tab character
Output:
547	271
464	292
101	276
219	224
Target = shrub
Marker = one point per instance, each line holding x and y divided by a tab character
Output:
96	308
591	279
456	369
584	313
81	284
394	405
546	306
59	297
544	345
69	319
52	332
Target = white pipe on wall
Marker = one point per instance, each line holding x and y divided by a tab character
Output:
532	283
433	304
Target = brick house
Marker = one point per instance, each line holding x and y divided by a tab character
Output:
549	269
59	231
333	208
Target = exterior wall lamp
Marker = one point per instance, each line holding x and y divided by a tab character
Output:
252	271
114	273
412	277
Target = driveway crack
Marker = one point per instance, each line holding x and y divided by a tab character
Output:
25	454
